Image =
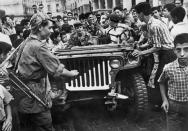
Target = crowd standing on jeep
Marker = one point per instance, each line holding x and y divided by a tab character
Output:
35	50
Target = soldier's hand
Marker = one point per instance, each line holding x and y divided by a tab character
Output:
74	72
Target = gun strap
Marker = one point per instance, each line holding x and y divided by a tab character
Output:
20	51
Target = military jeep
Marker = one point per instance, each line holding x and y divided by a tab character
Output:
107	72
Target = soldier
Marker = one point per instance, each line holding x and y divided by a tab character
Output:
79	37
34	62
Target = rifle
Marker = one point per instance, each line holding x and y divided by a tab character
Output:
16	81
25	89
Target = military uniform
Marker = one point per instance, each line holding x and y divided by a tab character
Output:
35	61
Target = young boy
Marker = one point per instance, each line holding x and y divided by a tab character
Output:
5	96
175	76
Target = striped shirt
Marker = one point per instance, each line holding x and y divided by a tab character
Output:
159	35
177	78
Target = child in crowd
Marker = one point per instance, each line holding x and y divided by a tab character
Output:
5	96
175	77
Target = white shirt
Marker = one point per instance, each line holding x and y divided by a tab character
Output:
185	18
179	28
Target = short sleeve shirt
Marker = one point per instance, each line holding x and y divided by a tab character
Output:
5	98
36	60
159	34
177	78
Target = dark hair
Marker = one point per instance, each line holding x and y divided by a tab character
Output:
115	18
19	29
66	28
24	22
40	4
81	16
75	14
88	14
143	7
125	9
54	35
58	17
179	13
26	33
34	6
155	8
118	8
181	38
169	7
69	13
4	19
77	24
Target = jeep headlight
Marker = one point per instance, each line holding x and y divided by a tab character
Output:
115	63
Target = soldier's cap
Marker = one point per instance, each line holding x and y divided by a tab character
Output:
77	24
115	18
37	19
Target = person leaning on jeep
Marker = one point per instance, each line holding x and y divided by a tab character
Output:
35	62
116	32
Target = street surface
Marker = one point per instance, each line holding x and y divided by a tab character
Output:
93	116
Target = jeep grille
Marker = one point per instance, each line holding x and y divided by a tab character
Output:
93	73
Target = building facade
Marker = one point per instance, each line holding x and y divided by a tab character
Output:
24	7
83	6
79	6
12	6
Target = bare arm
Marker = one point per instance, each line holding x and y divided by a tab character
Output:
149	51
7	125
163	91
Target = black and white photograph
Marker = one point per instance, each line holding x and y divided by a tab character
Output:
93	65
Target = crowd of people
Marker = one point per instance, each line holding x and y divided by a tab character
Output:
158	34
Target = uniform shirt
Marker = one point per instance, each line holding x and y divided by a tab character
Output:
5	98
35	62
177	81
159	35
179	28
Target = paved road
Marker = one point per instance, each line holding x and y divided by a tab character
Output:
94	117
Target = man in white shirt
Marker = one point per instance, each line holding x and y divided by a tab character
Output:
180	26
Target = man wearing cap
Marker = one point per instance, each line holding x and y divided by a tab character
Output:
34	62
